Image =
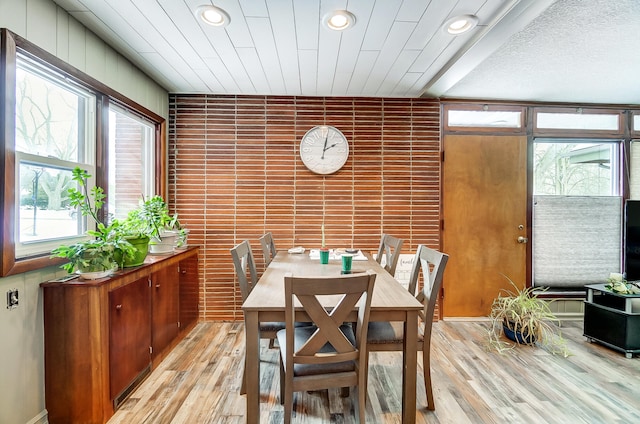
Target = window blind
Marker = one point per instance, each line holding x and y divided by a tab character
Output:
576	240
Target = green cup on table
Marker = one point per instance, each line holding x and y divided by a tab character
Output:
347	260
324	256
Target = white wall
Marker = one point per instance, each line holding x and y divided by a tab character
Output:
48	26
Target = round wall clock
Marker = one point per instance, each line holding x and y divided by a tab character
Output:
324	149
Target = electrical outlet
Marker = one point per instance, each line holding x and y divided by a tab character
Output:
12	299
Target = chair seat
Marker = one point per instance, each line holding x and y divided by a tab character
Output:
275	326
302	334
271	326
385	332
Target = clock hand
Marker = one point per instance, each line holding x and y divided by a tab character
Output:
324	149
327	148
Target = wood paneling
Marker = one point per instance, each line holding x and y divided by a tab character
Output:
235	173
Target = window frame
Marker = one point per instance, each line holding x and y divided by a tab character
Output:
483	107
633	130
576	132
10	45
616	159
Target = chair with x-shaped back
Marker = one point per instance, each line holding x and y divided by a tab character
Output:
329	353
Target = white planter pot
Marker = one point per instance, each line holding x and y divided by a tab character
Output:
164	244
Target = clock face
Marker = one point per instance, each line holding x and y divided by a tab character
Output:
324	149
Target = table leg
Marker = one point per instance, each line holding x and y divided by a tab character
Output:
410	368
252	366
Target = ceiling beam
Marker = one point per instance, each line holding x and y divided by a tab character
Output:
512	18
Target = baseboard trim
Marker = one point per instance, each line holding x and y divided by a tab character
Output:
41	418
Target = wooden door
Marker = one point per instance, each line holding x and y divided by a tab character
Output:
165	313
484	214
129	334
189	293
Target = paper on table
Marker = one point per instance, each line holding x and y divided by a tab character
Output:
315	254
337	254
359	256
298	249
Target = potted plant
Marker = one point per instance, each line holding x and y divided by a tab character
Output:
526	319
138	240
618	284
153	219
96	256
324	252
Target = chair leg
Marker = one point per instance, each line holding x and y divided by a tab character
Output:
271	343
426	368
288	403
365	369
282	382
243	386
362	394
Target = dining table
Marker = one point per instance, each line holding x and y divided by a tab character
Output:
266	303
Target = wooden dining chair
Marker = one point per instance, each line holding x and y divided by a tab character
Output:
245	267
247	275
329	353
268	248
388	336
390	247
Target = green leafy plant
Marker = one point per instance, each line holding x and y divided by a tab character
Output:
523	312
98	252
152	218
618	284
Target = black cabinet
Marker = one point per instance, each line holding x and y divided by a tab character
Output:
612	319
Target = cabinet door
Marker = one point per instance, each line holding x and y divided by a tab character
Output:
130	334
189	292
164	328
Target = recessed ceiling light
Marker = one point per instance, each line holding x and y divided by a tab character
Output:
213	15
339	20
461	24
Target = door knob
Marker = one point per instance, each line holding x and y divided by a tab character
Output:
522	239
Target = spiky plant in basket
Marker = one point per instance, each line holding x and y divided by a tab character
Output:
525	318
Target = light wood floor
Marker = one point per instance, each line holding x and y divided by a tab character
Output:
199	383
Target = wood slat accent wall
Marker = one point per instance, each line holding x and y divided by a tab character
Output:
235	173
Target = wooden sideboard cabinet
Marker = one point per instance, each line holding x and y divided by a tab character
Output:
103	337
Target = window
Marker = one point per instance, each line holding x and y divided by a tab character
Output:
481	118
634	170
576	211
485	118
576	168
52	119
579	121
54	132
131	161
